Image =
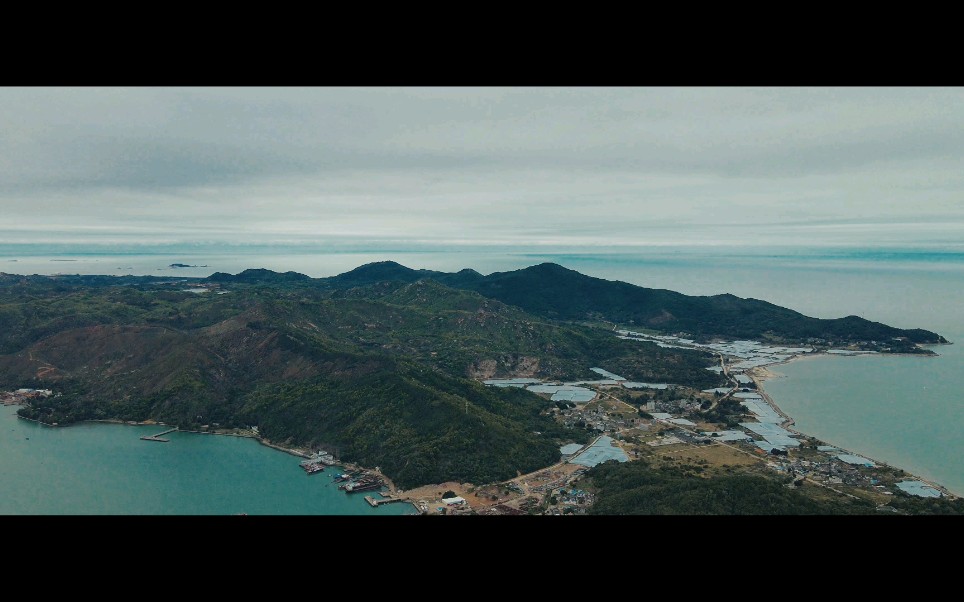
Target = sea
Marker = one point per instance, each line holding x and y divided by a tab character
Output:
907	411
106	469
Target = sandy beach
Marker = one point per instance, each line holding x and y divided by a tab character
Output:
763	373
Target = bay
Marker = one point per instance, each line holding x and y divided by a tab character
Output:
905	411
105	469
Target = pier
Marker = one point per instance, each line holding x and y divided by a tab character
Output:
159	436
388	500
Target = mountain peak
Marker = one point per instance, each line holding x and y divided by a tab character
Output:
549	267
380	271
252	275
379	266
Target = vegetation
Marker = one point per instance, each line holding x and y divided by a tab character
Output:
638	488
357	375
728	412
553	291
912	504
417	425
380	364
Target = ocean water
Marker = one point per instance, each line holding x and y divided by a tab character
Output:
97	468
906	411
315	264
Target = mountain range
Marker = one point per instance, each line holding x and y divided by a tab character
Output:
380	364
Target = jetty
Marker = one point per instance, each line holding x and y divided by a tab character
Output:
387	500
365	482
159	436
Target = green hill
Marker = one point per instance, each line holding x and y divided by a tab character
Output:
553	291
557	293
638	488
380	364
384	376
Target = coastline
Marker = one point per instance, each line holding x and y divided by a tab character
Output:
759	375
762	373
35	420
350	466
294	451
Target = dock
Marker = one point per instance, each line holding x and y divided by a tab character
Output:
376	503
159	436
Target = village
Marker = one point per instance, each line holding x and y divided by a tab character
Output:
21	396
667	423
711	431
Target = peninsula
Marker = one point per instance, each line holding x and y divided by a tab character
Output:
435	377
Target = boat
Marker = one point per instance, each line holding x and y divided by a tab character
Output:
314	469
366	483
344	476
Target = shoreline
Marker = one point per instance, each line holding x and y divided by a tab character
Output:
761	374
35	420
349	466
294	451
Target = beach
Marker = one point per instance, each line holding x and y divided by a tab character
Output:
762	374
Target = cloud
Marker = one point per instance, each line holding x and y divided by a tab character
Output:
490	166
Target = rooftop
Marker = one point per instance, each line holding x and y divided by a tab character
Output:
570	448
607	374
852	459
637	385
599	452
918	488
762	411
575	395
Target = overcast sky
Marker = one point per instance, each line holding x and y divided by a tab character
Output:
504	166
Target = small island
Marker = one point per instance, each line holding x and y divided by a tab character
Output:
184	265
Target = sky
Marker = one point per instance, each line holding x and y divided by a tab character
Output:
575	168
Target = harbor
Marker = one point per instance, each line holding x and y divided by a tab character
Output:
386	499
113	472
317	462
366	482
356	480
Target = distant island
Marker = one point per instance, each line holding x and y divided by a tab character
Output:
184	265
412	370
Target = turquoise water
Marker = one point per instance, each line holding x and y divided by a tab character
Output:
906	411
97	468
